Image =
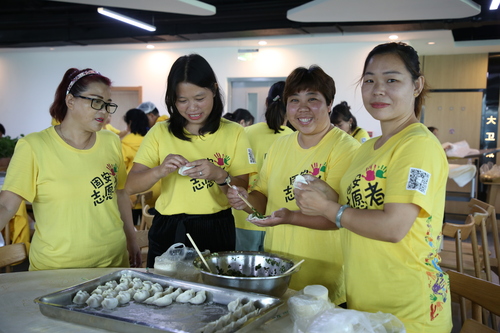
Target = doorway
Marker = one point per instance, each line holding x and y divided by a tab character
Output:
250	94
127	98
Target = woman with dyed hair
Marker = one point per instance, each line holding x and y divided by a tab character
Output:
74	175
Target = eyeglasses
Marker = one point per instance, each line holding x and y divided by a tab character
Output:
98	104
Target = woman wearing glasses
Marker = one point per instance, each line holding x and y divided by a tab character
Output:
74	175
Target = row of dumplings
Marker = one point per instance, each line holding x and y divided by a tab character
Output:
112	294
240	311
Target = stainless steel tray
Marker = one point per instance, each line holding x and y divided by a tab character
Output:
139	317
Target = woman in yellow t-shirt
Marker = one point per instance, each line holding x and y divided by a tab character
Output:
391	201
196	154
317	148
261	136
74	175
342	117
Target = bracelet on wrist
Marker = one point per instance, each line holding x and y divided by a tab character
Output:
339	215
227	180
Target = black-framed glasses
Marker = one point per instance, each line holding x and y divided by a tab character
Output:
98	104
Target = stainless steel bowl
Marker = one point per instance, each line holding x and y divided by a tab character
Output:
257	272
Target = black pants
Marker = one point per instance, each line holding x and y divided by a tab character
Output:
214	232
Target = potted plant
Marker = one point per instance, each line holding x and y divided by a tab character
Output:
7	145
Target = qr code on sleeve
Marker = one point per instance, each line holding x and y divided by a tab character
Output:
251	157
418	180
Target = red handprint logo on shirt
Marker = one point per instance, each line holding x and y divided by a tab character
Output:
370	173
112	169
315	168
221	159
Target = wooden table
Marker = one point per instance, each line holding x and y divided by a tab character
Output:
20	314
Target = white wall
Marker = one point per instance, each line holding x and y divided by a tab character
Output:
28	78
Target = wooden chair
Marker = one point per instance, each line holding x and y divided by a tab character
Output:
143	242
139	200
483	293
12	254
146	219
454	259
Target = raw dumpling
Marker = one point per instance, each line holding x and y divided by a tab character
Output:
164	300
110	292
176	293
141	295
94	301
109	303
121	287
156	287
136	283
185	296
153	298
249	307
232	306
200	297
123	297
209	328
81	297
111	284
169	290
184	168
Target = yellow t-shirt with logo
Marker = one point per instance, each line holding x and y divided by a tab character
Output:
321	249
401	278
130	145
227	148
73	193
361	135
261	138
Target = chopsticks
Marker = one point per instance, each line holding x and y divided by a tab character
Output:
294	266
255	212
198	251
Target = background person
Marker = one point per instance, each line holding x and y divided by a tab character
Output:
74	175
342	117
152	112
137	127
391	201
195	136
317	148
241	116
250	237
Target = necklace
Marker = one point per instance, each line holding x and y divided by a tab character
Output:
59	131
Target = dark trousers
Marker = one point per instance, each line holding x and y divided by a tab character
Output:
214	232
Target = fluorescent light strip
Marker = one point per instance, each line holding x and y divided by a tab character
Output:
494	4
125	19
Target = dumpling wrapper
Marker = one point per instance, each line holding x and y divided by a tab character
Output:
184	168
299	179
252	218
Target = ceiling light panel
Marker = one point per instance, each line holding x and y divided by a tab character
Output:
382	10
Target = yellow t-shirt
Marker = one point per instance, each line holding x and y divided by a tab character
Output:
110	127
227	148
73	193
130	145
401	278
162	118
361	135
261	138
321	249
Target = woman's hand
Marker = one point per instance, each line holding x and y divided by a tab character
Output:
314	198
170	164
134	254
233	198
204	169
281	216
